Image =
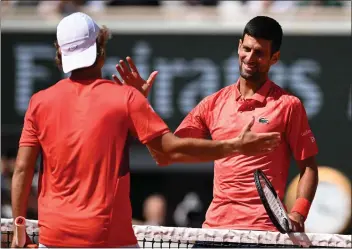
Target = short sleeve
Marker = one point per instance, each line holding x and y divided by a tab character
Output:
145	123
29	136
194	124
298	133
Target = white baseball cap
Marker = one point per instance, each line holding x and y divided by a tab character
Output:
76	35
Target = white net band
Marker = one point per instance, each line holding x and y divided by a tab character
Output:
190	235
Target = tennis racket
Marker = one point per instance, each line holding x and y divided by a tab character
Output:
272	202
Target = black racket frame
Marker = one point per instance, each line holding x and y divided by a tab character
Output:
257	174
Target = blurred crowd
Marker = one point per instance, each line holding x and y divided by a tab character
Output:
68	6
154	211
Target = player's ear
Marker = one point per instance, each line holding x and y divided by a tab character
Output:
275	57
239	46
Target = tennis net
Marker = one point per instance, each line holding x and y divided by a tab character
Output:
180	237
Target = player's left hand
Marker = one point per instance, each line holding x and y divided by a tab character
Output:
297	222
131	77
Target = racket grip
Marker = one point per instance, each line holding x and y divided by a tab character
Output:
20	229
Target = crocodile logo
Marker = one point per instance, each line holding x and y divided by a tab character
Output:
263	120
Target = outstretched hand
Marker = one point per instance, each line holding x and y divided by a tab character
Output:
130	76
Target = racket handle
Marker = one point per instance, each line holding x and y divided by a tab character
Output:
20	228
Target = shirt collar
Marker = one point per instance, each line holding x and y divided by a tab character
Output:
259	95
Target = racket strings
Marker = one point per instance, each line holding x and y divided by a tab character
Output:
275	205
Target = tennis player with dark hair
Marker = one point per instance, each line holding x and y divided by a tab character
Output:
80	127
236	203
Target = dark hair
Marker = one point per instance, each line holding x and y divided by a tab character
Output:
267	28
102	39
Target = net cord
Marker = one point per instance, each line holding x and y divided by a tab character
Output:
184	234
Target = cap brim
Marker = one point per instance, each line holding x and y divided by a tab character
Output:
82	59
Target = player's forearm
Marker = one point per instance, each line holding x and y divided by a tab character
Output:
197	150
200	150
308	183
306	188
168	148
20	190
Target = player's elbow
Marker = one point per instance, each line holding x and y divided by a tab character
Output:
167	158
184	158
162	161
21	167
176	150
165	149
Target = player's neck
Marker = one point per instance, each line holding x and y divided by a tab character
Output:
86	74
248	88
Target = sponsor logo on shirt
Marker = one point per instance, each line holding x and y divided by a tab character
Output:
263	120
306	133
